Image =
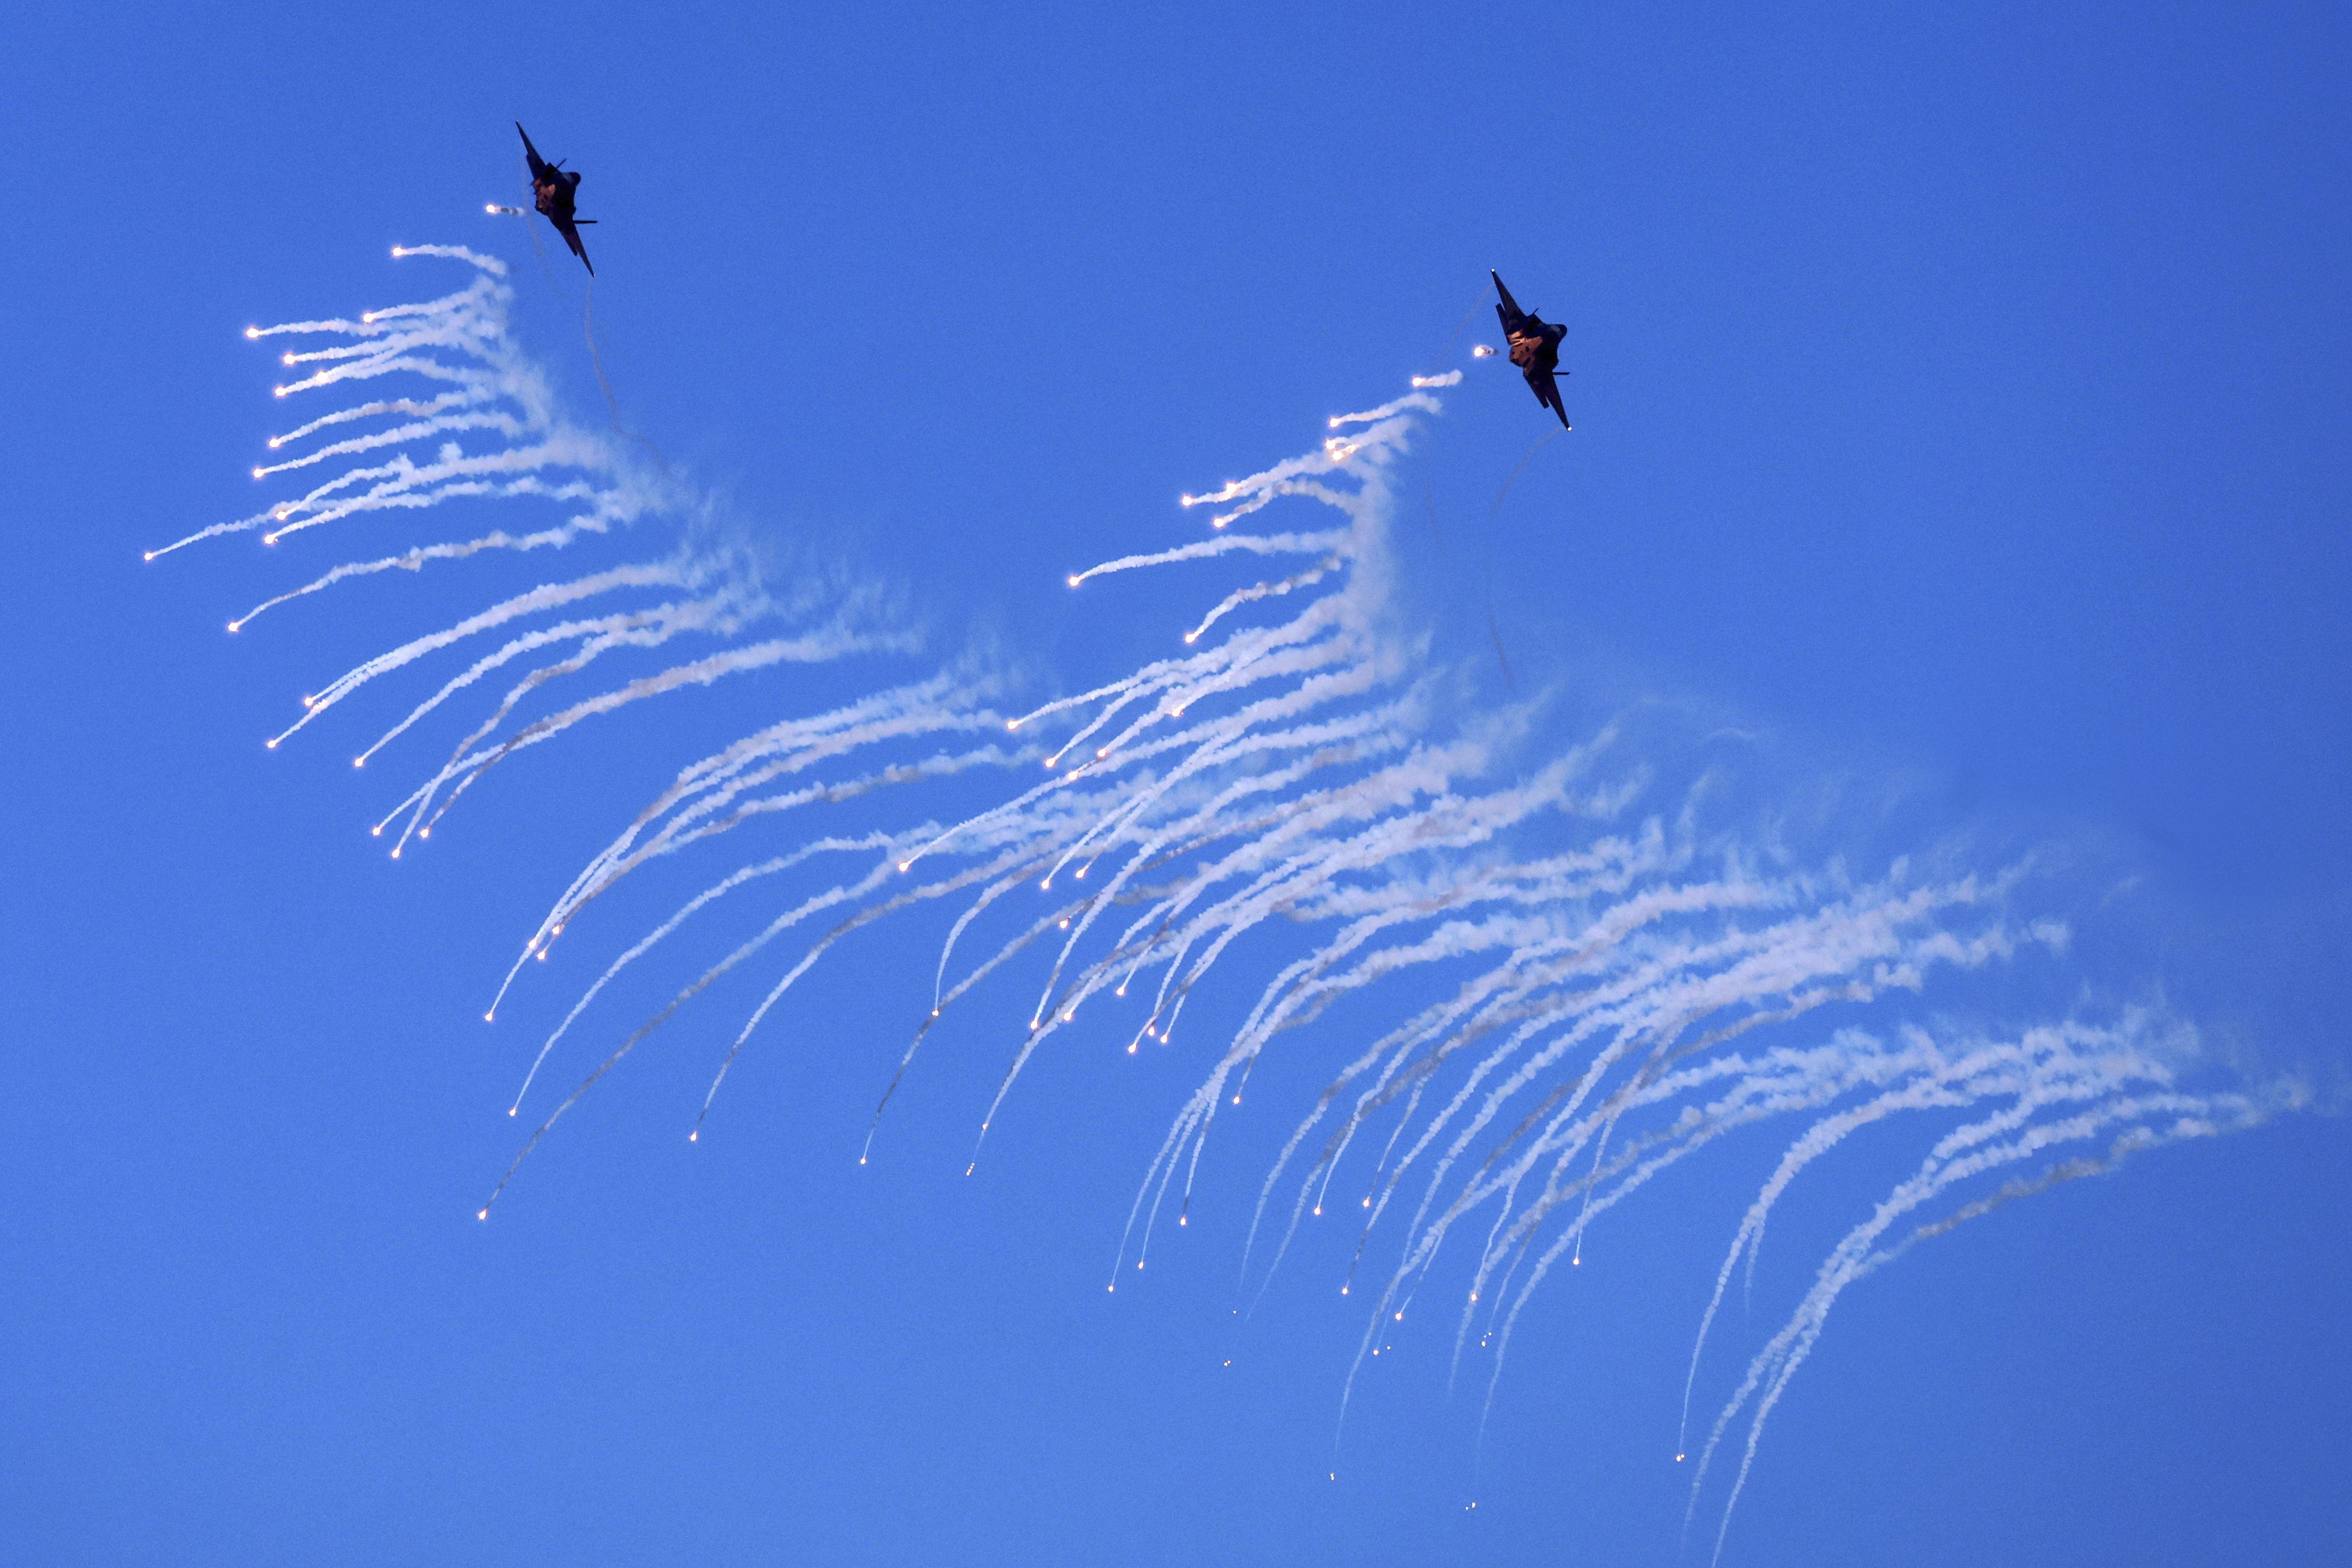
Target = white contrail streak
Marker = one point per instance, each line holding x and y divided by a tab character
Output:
1567	969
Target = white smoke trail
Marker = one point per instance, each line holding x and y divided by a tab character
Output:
492	433
1593	968
1620	977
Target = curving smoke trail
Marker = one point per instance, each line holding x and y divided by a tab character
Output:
409	452
1591	968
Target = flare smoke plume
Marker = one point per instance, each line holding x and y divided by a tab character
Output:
1588	971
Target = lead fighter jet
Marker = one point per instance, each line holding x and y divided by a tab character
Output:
555	190
1535	348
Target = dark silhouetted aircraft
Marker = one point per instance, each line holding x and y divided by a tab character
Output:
555	191
1535	348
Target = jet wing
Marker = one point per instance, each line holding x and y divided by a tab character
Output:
570	230
1547	390
538	164
1514	319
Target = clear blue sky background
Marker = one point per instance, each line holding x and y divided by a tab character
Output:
1962	395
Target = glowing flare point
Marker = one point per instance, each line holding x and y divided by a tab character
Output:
253	331
482	1213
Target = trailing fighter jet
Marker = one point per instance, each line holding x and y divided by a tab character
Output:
1535	348
556	190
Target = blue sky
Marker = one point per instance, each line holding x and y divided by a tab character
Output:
1960	402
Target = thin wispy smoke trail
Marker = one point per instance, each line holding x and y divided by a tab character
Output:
467	419
1581	964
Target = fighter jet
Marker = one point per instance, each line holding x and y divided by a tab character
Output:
556	190
1535	348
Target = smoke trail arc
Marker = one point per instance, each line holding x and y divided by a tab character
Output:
485	426
1585	967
